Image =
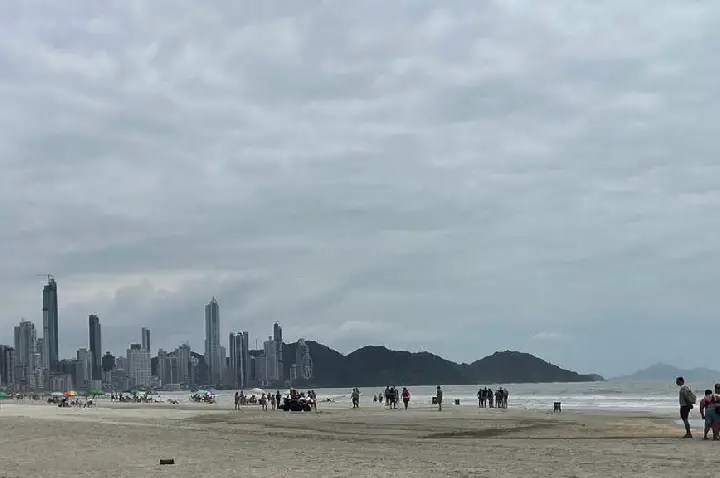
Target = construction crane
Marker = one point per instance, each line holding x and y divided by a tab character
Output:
49	276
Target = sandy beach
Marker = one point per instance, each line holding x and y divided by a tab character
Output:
129	440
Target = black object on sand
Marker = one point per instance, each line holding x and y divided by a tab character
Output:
169	461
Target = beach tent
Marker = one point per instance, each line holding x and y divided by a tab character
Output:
95	391
257	391
4	395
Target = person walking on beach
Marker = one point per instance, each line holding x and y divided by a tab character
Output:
481	397
237	401
355	398
406	397
439	397
687	402
278	399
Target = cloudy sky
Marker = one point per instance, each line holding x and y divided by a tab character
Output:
459	177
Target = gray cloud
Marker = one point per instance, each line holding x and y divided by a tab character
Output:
457	178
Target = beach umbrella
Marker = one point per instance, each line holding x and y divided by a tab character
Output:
257	391
96	391
57	394
71	393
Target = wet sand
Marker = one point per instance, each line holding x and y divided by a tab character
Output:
129	440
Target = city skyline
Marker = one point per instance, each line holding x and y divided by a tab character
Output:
24	365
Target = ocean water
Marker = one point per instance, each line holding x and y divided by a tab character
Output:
656	397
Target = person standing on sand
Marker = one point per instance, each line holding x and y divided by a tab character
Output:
687	402
707	413
278	398
439	397
406	397
237	401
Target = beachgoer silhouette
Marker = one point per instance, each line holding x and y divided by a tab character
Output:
406	397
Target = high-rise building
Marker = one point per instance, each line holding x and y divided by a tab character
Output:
25	343
278	339
183	354
271	362
50	325
7	366
238	358
146	339
40	349
303	361
108	362
80	372
138	366
95	347
212	341
246	358
233	359
85	356
223	358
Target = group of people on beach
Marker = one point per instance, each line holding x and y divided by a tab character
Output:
709	408
485	397
392	396
275	400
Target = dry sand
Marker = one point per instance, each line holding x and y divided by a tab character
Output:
129	440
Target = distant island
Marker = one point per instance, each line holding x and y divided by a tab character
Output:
376	366
661	371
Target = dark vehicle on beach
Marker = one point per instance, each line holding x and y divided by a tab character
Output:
296	405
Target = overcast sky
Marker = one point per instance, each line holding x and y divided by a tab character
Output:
459	177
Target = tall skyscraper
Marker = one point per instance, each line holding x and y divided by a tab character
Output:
95	347
138	366
146	339
238	354
233	359
212	342
50	324
246	358
278	339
